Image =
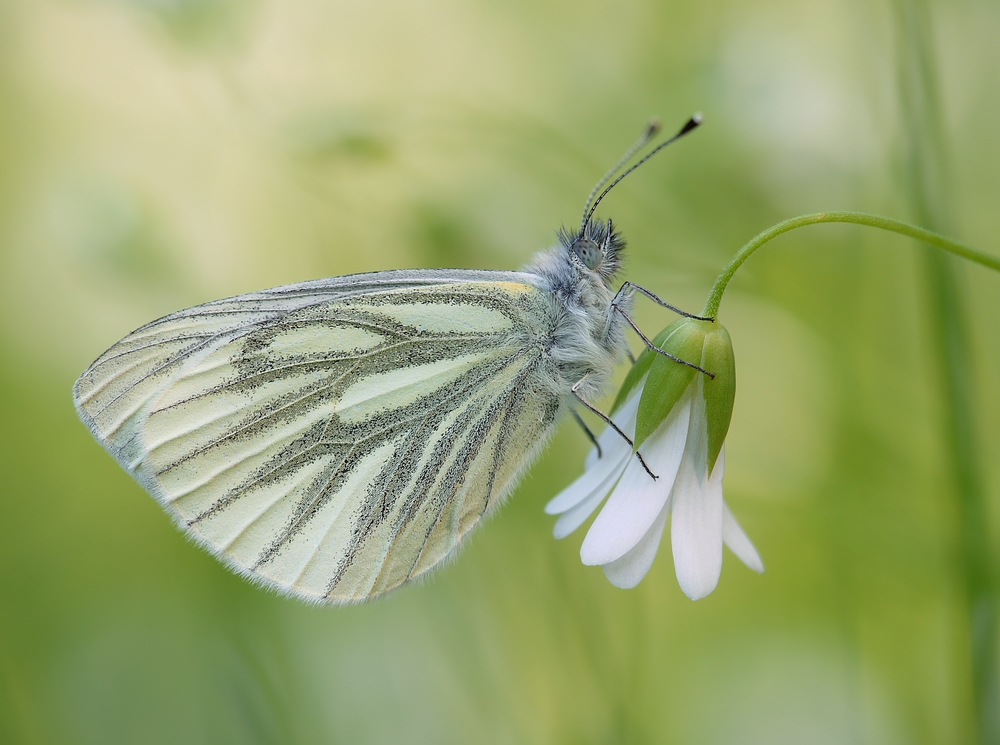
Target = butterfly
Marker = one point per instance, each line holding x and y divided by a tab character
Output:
337	438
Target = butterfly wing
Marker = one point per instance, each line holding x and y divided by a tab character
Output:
333	439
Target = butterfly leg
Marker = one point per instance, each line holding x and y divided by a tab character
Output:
590	434
648	342
576	392
629	287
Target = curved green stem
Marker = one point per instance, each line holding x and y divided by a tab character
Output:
857	218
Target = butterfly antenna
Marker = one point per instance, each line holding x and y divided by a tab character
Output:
652	129
690	125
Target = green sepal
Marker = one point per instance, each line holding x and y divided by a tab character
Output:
639	369
720	392
667	379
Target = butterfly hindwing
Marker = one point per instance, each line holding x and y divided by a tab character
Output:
333	439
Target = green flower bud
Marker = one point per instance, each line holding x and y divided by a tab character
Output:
702	343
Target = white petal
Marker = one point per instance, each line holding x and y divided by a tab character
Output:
637	500
597	478
609	440
629	570
574	517
738	541
616	452
696	522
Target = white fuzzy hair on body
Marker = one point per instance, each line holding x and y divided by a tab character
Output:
587	340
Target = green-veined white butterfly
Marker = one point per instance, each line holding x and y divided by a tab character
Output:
334	439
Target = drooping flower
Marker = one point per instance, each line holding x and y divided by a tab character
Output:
678	419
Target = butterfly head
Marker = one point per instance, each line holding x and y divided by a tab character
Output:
597	248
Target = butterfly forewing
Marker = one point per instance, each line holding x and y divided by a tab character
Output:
337	438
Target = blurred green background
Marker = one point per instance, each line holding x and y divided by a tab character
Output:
155	154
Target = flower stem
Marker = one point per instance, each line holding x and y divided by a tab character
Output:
857	218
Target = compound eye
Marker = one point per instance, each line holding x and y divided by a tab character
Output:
588	251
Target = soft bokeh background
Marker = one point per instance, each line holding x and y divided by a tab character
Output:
160	153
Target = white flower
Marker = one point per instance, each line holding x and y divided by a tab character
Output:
626	534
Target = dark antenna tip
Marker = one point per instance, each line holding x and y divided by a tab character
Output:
692	123
653	128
